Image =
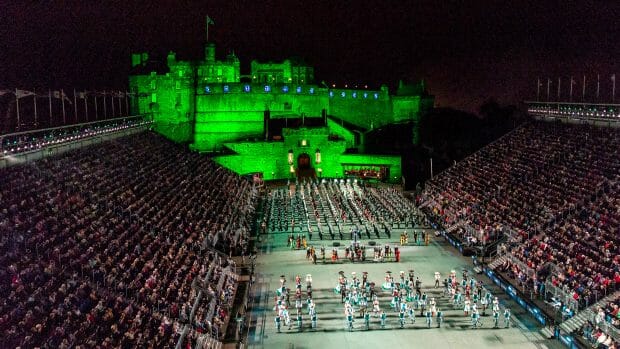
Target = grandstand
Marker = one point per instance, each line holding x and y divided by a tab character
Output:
117	244
112	235
549	192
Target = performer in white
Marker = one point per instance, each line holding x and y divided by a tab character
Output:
467	306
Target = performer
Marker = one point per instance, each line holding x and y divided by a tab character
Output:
363	303
484	303
429	319
423	302
411	313
299	325
350	321
439	318
367	320
310	305
383	319
375	306
437	278
278	319
457	298
475	319
495	304
401	319
506	318
495	319
313	317
308	280
467	307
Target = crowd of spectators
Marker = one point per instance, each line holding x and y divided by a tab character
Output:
117	245
557	186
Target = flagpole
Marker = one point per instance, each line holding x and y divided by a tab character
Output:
559	83
96	111
570	98
613	88
35	107
49	96
86	106
113	113
548	86
126	104
17	107
583	93
75	106
105	109
538	90
598	85
120	109
64	114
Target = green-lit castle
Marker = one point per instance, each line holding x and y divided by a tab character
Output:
275	121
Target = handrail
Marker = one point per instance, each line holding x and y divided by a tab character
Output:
69	126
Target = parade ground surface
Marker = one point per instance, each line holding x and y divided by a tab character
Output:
275	259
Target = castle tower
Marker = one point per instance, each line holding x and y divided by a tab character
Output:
210	52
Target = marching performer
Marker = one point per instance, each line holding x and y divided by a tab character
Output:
495	319
401	319
439	318
350	321
484	303
495	304
383	319
411	313
278	319
429	319
313	317
475	319
506	318
375	306
467	307
367	320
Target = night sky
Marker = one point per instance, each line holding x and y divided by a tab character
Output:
466	51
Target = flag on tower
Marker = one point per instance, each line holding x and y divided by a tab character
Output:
64	96
23	93
210	21
3	92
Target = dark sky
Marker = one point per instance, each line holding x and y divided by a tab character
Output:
467	51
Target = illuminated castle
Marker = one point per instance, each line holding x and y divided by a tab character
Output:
276	120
